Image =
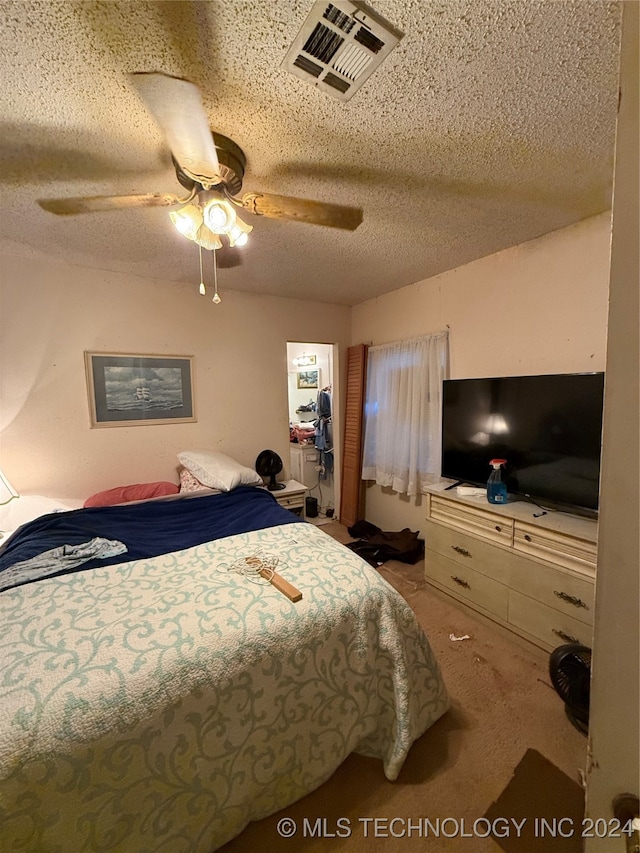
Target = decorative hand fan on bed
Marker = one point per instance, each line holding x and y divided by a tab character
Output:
211	168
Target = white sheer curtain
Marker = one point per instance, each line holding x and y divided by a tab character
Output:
403	412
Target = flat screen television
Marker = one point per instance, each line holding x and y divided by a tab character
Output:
548	428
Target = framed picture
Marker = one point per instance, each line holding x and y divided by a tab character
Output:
308	379
136	390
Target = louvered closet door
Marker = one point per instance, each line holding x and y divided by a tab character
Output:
352	488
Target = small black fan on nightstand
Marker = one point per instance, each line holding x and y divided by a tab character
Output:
268	464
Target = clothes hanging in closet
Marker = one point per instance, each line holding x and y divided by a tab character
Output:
324	432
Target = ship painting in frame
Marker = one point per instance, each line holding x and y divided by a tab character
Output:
139	390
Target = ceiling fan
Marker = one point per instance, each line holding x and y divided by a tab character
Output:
210	166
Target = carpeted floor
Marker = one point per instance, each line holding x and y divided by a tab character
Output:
505	717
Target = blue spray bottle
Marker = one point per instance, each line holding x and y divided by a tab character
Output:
496	487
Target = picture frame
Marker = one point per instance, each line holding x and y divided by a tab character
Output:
139	390
308	378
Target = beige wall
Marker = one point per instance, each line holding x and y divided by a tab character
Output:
540	307
547	299
52	313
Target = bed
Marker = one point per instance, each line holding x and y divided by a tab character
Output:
158	699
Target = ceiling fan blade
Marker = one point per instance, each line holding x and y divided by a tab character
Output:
177	107
97	203
303	210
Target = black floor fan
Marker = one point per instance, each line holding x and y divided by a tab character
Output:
570	671
269	464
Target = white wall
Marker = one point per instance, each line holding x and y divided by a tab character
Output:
52	313
540	307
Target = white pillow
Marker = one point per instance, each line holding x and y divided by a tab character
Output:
217	470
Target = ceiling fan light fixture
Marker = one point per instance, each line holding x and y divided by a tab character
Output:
187	220
207	239
219	216
239	233
304	360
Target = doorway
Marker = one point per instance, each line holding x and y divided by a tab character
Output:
313	424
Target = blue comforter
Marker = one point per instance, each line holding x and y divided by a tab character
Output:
147	529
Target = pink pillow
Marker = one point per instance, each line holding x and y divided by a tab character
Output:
126	494
189	483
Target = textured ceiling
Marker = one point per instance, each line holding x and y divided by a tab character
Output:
490	124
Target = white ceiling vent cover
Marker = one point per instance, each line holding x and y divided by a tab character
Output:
339	46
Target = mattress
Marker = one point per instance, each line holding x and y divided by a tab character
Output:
163	703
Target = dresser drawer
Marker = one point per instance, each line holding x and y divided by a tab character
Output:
469	552
551	627
470	586
559	590
471	519
558	548
291	501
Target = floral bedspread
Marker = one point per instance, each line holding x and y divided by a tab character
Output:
162	704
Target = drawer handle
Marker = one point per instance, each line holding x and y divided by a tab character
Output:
570	599
566	637
460	582
527	538
498	528
462	551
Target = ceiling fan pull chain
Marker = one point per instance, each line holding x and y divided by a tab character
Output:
202	287
216	297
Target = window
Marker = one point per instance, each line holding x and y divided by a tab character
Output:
403	412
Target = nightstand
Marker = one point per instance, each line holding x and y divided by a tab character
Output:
292	496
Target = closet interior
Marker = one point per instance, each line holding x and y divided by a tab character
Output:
311	440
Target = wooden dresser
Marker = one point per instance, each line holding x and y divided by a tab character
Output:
534	576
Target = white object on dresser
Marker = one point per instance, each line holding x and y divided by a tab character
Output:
292	496
304	464
534	576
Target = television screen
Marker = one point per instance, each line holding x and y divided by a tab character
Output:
548	428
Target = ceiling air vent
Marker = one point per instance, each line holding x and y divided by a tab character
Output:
307	65
339	46
337	82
